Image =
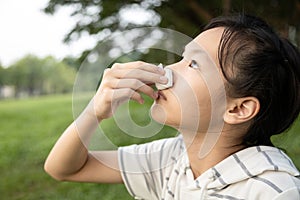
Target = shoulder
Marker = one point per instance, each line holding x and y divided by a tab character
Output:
162	146
292	193
274	185
151	156
143	167
261	172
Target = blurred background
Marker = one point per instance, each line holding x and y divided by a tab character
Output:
44	43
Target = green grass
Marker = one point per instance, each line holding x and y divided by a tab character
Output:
29	129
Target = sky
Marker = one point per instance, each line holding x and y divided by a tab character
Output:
25	29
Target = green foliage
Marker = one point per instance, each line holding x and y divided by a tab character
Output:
289	141
34	76
27	75
59	77
103	17
3	75
72	62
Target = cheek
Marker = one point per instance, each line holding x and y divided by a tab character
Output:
185	101
197	104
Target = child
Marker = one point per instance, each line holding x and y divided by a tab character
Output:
261	76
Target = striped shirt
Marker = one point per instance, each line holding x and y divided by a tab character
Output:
161	170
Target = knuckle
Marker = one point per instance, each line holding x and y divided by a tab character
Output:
140	63
116	65
136	83
105	95
128	92
115	83
105	83
106	92
106	72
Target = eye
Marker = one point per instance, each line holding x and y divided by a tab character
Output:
193	64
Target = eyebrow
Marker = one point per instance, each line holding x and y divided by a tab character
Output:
193	48
190	48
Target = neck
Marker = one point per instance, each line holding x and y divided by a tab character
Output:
205	150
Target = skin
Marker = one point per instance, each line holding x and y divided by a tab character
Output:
69	160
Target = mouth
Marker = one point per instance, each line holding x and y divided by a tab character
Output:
161	95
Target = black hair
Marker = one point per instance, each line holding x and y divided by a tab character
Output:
256	62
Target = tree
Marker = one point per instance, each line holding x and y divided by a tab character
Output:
2	76
27	75
103	17
60	77
34	76
72	62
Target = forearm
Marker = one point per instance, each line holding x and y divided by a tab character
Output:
69	158
70	152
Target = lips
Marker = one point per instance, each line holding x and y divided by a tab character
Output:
161	95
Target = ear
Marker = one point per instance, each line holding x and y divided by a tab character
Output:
241	110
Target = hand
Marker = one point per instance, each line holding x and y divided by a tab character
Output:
123	82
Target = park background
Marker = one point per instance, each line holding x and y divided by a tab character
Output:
36	92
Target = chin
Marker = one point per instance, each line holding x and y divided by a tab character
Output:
161	116
158	113
188	124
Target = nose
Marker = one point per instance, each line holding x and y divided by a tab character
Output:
178	66
178	70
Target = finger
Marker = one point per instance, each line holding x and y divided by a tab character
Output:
135	85
123	94
144	76
139	65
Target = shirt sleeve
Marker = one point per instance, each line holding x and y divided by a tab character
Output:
291	194
143	167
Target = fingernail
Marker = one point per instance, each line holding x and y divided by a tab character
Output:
163	79
155	95
141	101
160	68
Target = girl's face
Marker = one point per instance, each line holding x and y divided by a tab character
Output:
197	96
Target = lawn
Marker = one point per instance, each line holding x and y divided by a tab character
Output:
30	127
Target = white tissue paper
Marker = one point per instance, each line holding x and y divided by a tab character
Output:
169	75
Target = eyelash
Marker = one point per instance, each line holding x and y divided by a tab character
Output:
193	63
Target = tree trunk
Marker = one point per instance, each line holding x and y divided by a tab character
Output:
226	7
